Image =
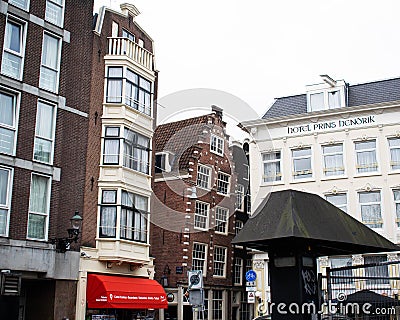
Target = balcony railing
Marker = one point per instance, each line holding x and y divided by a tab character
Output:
130	49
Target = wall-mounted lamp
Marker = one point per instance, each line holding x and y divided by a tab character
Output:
64	244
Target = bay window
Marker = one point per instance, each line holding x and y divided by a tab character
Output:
39	206
134	211
50	68
8	115
13	48
44	134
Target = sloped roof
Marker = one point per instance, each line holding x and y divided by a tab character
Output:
290	219
358	95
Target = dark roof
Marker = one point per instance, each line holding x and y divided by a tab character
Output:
369	296
295	219
358	95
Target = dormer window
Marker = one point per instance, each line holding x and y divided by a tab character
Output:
329	95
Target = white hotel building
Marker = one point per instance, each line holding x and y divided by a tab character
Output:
341	142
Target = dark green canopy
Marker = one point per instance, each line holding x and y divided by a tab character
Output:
295	219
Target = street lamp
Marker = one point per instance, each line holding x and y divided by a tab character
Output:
64	244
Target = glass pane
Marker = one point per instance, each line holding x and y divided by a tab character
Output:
112	131
301	152
145	84
131	76
6	140
43	150
11	65
54	13
114	72
302	164
38	201
108	216
109	196
44	120
3	221
50	52
4	178
36	226
337	199
114	90
337	148
367	197
334	99
317	101
23	4
7	109
271	156
111	151
366	145
395	142
13	40
396	194
48	79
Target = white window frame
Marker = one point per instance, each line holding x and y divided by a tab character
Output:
238	272
278	177
333	170
217	262
16	102
221	222
45	67
396	204
240	197
221	181
369	204
17	4
238	226
56	4
19	55
325	93
220	302
392	162
302	172
205	246
45	214
371	165
217	145
203	178
201	216
342	207
53	132
7	205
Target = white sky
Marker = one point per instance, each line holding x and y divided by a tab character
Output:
258	50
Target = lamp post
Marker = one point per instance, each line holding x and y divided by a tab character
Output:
64	244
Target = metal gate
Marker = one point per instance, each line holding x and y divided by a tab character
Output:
368	291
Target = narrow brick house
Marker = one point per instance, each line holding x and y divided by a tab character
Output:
44	114
195	192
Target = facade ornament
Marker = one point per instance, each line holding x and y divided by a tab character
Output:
258	264
358	259
323	261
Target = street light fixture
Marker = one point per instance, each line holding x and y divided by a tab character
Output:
64	244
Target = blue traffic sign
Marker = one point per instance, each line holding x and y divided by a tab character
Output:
251	275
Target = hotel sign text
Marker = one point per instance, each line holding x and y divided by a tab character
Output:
329	125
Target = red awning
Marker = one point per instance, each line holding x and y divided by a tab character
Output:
109	292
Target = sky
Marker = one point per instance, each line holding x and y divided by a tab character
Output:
258	50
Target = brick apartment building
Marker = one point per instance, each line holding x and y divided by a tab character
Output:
193	222
115	251
44	115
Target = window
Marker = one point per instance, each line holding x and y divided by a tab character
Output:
201	215
238	226
238	271
22	4
217	304
342	276
8	122
239	197
219	261
5	199
39	205
333	159
114	85
246	173
55	12
339	200
163	162
366	156
302	163
378	275
223	183
249	265
396	195
199	256
272	166
13	49
134	217
325	100
108	214
394	146
44	134
244	307
111	146
221	220
128	35
138	92
370	206
136	151
203	176
49	70
217	145
248	202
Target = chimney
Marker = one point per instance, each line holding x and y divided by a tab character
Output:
129	9
217	110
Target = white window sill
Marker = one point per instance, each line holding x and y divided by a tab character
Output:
303	180
367	174
272	183
334	177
